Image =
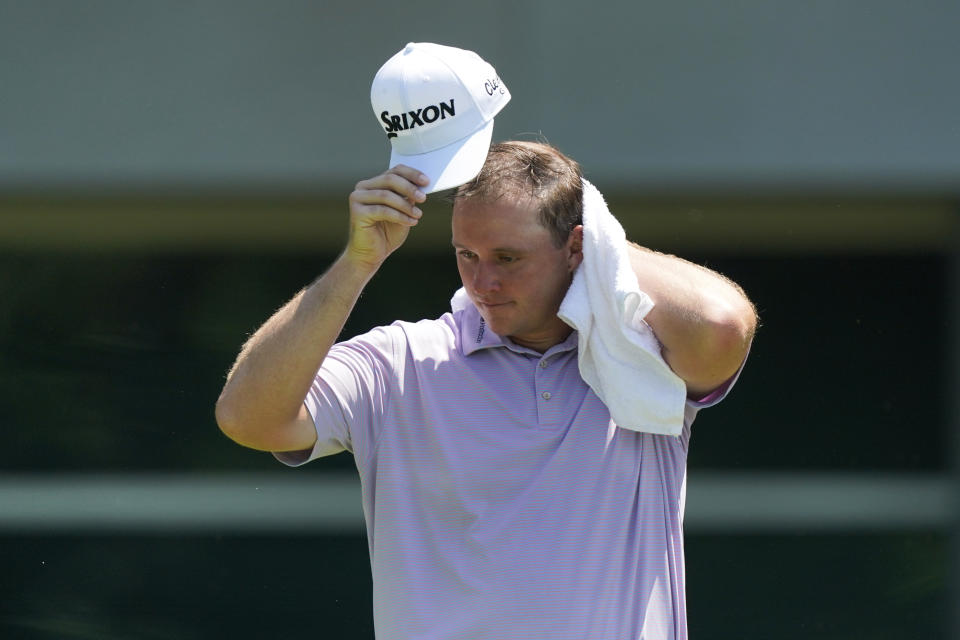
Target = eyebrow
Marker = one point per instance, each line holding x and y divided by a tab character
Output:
496	250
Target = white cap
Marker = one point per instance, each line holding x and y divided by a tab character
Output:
436	104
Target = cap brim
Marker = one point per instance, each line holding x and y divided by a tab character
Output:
454	164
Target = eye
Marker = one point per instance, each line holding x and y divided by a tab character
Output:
507	259
466	255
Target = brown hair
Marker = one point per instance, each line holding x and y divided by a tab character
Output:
538	172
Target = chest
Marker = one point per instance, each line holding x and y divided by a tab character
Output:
493	431
523	392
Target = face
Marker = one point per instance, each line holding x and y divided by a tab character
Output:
513	272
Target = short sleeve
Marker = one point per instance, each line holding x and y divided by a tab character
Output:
350	394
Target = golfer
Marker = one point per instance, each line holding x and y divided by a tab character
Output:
501	500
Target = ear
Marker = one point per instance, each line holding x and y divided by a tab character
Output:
575	248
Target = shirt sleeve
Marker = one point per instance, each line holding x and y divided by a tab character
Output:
350	394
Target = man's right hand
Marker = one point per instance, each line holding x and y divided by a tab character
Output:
382	210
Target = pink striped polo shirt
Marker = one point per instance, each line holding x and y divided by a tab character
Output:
500	500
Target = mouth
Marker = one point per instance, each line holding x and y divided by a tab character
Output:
492	305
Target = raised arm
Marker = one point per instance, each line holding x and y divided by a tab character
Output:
261	405
703	320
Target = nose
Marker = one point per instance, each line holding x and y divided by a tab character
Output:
485	278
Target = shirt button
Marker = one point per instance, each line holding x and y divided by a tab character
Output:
543	364
545	395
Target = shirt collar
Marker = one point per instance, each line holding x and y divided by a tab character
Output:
475	335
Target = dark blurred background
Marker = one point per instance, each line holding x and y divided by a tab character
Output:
171	173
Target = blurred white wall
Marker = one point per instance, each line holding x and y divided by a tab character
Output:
751	94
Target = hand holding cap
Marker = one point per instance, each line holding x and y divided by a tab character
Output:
436	105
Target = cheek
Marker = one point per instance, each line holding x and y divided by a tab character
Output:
463	269
530	285
549	285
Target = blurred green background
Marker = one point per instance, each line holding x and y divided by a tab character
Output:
171	173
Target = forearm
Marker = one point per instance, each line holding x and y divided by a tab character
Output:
275	368
703	321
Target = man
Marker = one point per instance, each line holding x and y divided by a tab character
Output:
500	499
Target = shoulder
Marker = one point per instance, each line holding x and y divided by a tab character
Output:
403	335
438	337
435	339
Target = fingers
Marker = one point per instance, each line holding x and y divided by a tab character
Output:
410	174
400	179
365	215
391	196
383	206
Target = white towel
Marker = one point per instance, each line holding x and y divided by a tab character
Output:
618	354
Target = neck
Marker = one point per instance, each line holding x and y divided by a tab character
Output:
541	343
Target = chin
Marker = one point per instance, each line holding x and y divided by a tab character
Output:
499	326
494	325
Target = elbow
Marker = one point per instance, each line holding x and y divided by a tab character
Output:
737	326
731	330
714	348
233	425
224	415
252	428
228	420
